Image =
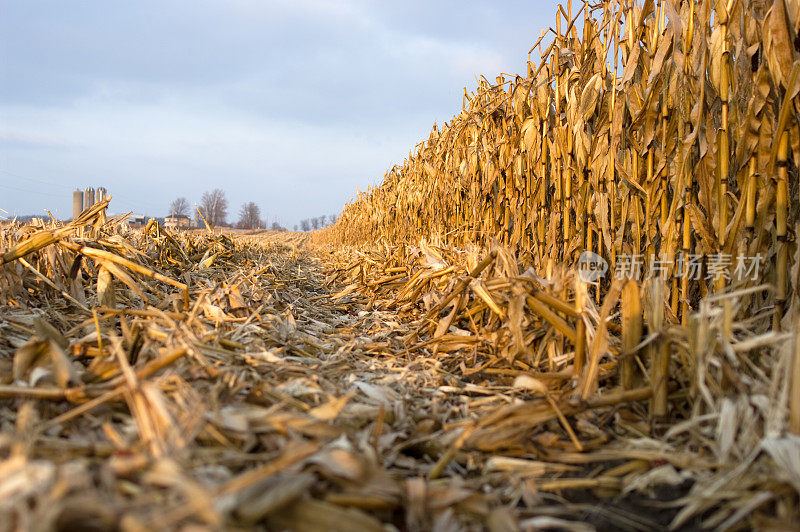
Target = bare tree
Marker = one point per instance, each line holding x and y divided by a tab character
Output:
332	218
295	228
179	207
315	223
249	216
214	206
305	225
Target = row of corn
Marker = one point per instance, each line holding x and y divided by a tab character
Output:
662	135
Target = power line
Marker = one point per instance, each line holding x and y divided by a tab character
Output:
34	180
134	206
39	192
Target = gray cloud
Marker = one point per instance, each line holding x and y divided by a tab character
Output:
293	104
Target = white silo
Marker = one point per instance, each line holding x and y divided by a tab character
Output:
77	203
88	197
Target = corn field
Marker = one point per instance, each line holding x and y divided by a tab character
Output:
663	130
573	307
663	137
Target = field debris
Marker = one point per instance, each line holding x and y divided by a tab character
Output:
152	380
438	360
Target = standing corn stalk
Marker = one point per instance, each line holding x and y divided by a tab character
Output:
781	212
636	156
631	332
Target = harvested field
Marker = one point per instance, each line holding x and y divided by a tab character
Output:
438	359
164	381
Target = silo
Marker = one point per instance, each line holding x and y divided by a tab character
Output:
102	193
77	203
88	197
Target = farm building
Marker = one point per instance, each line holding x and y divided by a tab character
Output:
179	221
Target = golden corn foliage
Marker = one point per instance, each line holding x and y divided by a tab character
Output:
689	146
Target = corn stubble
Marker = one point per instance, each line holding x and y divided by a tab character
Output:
435	361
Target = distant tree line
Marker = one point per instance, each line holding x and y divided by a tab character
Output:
250	217
317	223
212	211
179	207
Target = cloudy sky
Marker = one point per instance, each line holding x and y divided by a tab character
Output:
293	104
